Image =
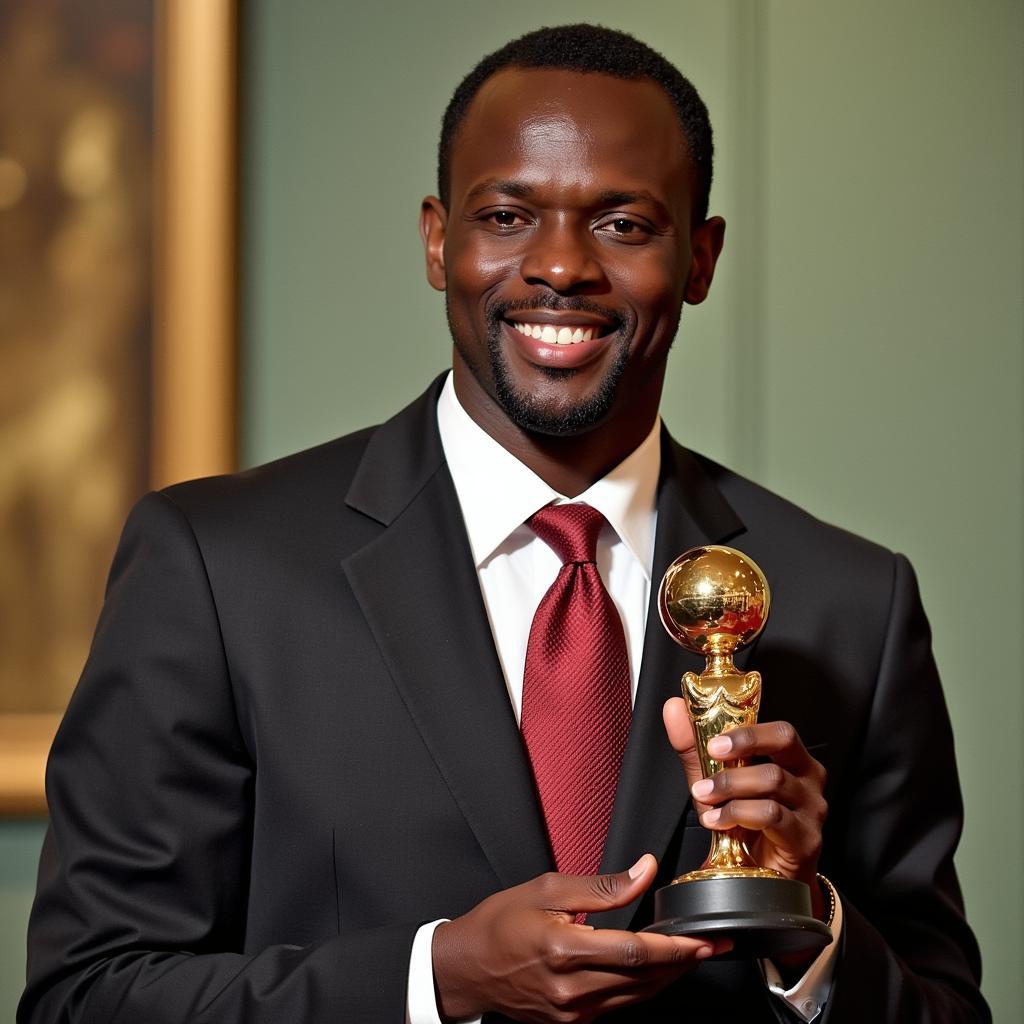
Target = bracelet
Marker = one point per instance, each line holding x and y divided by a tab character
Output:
830	894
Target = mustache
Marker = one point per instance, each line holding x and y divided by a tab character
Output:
499	309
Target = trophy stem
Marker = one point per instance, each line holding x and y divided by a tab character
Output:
728	855
718	700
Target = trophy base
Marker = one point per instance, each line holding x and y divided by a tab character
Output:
764	917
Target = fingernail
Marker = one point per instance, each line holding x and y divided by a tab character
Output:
704	952
710	817
638	868
703	788
719	746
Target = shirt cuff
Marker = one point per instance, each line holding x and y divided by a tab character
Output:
807	998
420	998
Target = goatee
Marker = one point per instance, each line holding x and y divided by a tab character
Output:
527	410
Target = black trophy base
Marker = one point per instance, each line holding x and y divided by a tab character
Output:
764	917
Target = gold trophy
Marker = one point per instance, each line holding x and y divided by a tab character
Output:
714	600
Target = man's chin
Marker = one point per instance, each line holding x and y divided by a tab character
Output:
545	402
554	418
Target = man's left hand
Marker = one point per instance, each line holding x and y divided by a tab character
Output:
778	801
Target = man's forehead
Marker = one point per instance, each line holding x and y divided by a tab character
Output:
533	113
528	94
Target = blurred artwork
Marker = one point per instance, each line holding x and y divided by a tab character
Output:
76	99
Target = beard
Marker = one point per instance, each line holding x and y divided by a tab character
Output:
528	410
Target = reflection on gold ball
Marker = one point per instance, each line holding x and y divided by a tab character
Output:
713	598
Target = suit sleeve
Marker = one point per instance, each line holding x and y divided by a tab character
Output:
140	913
907	952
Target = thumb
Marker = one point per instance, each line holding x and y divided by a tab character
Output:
588	894
680	735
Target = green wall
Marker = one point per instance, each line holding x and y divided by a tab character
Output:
862	350
19	852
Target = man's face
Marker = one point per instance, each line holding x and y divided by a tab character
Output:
567	249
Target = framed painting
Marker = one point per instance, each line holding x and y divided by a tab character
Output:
117	315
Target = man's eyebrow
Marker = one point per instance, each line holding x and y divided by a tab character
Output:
516	189
613	197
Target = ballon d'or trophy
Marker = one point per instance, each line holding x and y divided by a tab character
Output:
713	601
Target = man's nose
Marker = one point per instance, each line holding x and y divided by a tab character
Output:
564	258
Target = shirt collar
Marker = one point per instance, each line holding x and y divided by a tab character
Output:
498	493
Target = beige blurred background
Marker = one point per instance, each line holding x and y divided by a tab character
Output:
75	231
867	318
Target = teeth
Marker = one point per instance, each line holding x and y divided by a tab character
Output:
551	335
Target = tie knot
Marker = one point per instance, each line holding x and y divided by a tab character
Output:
571	531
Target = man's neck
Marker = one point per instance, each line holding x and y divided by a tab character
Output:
568	465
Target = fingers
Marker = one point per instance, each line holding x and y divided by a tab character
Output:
680	735
595	973
588	948
587	894
628	953
768	781
780	800
761	797
624	966
678	725
799	835
776	740
761	780
519	953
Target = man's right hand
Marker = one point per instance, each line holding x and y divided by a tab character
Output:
521	953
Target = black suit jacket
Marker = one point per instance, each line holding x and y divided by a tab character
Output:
292	745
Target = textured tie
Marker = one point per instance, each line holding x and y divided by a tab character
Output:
576	699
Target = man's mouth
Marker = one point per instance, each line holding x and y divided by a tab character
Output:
552	335
557	339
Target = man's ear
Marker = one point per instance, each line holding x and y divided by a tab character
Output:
705	247
433	222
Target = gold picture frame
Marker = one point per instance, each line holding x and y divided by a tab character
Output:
194	400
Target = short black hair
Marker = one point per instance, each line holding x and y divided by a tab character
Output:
589	49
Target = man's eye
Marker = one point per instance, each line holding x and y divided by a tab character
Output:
505	218
624	228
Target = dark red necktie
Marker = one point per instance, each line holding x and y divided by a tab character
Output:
576	692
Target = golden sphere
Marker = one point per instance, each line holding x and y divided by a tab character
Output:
713	598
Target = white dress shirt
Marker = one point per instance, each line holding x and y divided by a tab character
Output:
497	494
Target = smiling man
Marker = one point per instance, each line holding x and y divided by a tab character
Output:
387	730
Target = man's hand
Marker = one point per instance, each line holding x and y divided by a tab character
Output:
520	951
779	801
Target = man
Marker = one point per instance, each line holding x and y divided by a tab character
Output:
316	768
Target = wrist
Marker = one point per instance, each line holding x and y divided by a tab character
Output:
452	986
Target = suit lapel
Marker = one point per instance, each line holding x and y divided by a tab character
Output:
418	589
652	796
